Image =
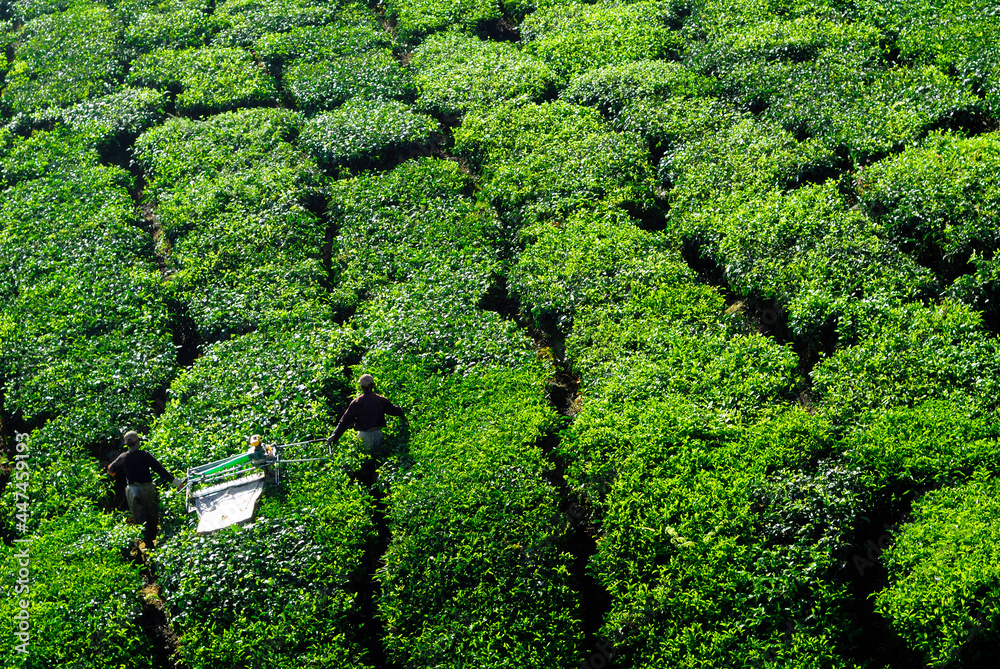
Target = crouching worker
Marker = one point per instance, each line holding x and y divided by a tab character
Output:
143	500
366	414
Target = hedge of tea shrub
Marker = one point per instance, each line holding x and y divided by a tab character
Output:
118	118
597	260
865	113
933	442
908	354
954	37
165	24
86	335
279	384
317	85
612	87
436	316
422	255
542	161
475	570
741	159
243	22
475	566
235	199
694	574
454	73
324	42
938	201
828	266
397	225
942	593
821	76
281	591
364	133
289	578
574	38
83	586
64	58
208	79
667	124
415	19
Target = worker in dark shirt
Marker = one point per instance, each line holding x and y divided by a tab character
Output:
366	414
143	500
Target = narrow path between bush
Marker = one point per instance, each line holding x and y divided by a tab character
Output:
153	618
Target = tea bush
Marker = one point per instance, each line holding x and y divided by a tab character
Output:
55	469
436	316
807	251
395	226
278	384
209	79
290	577
909	354
367	133
541	161
166	24
612	87
326	42
933	442
86	334
938	201
574	38
225	143
821	76
22	11
474	571
280	591
246	21
742	157
62	59
455	73
373	75
595	261
683	556
626	364
234	198
665	125
119	117
868	113
416	18
958	37
942	595
82	583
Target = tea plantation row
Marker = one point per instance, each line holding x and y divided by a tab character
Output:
752	242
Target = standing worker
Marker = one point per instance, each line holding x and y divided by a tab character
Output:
143	500
366	414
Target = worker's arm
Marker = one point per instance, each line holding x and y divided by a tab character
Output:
155	465
114	466
393	410
350	415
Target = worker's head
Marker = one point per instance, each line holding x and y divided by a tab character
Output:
255	441
132	439
366	382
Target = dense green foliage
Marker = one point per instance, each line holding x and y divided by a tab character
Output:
361	134
233	199
455	73
81	589
692	307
